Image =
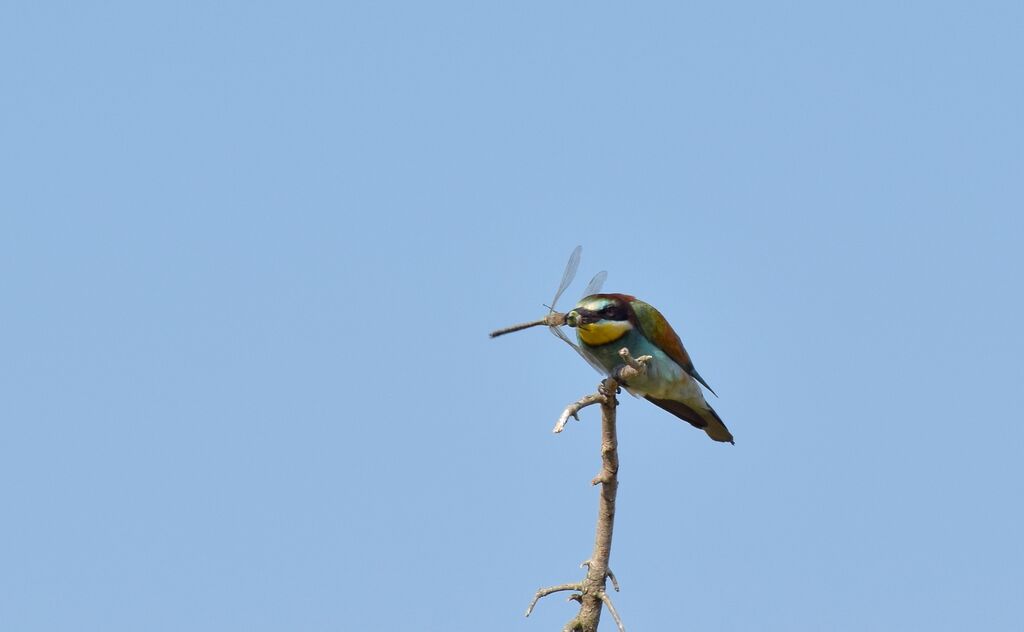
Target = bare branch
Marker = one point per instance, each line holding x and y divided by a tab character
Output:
611	575
611	608
572	410
591	591
544	592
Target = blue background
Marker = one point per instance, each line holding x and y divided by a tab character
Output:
250	252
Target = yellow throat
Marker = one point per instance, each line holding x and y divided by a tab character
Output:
603	332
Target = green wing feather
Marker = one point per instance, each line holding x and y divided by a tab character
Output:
657	330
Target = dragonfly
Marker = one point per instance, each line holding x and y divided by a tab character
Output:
555	320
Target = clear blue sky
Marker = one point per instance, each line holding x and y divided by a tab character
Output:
251	252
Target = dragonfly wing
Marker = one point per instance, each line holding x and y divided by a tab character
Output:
568	275
595	284
591	361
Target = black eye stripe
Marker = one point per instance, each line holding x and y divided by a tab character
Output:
612	312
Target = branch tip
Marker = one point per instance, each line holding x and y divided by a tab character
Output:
615	582
544	592
607	600
573	409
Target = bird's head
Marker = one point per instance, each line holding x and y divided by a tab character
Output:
602	318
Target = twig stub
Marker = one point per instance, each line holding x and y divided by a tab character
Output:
633	367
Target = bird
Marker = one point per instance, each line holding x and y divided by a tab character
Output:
605	323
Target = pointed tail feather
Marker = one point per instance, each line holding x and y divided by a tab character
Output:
709	421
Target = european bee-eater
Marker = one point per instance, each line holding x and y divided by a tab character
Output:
607	322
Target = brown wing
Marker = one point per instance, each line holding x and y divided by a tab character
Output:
709	422
658	331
